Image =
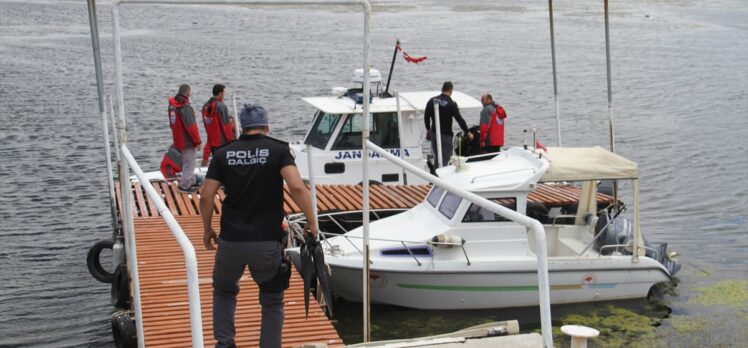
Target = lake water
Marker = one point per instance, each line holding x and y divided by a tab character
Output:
680	78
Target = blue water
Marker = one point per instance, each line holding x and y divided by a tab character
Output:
680	76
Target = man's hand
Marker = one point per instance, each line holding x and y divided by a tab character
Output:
210	237
311	229
470	136
204	163
199	146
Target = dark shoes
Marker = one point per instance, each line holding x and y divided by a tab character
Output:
190	189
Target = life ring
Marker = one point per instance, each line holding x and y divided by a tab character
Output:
123	330
93	261
120	288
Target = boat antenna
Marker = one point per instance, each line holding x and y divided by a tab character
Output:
392	66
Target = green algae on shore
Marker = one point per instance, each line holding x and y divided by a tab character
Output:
733	293
618	327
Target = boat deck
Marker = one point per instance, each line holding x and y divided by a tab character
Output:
163	278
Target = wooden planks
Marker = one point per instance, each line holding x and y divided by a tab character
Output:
165	306
335	198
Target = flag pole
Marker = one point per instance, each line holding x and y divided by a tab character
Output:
392	66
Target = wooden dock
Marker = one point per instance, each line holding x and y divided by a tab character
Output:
163	285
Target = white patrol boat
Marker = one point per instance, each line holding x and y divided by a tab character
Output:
335	135
448	253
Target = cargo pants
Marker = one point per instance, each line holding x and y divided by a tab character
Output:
263	260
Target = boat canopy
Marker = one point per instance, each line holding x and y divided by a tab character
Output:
409	101
587	163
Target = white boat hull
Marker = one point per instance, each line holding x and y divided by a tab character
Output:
468	290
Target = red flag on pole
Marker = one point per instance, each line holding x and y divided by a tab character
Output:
539	145
410	59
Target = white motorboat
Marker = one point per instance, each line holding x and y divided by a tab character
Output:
447	253
397	127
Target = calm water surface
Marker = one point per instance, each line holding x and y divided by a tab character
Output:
680	73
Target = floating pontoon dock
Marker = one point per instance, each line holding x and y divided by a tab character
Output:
161	266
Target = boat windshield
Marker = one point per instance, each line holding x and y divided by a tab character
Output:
382	131
435	195
449	205
478	214
324	125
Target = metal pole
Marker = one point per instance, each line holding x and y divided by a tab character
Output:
392	67
555	82
114	128
533	225
438	135
237	125
400	134
366	288
109	177
637	230
93	22
611	120
312	184
129	227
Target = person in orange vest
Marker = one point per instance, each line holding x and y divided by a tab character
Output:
219	126
185	135
491	125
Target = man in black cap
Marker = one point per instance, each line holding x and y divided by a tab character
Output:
448	110
252	170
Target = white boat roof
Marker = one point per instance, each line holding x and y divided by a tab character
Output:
587	163
409	101
515	169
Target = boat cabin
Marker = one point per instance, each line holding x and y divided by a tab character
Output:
395	125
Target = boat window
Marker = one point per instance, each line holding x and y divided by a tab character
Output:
434	196
478	214
449	204
382	131
415	250
324	125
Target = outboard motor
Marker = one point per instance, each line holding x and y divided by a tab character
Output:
619	231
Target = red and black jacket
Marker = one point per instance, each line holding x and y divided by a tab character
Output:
492	134
217	126
171	164
182	122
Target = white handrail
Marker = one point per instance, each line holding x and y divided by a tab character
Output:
534	225
190	258
366	7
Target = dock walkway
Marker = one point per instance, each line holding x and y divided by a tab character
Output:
163	284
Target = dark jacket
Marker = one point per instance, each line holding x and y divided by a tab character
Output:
448	110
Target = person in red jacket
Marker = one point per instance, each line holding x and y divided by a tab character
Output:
185	135
171	164
219	126
491	125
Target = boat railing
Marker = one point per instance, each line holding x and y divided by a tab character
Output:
531	224
190	258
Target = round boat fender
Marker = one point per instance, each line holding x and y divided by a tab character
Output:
93	261
120	288
123	330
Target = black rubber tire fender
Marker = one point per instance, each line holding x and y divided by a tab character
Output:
123	330
93	261
121	288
